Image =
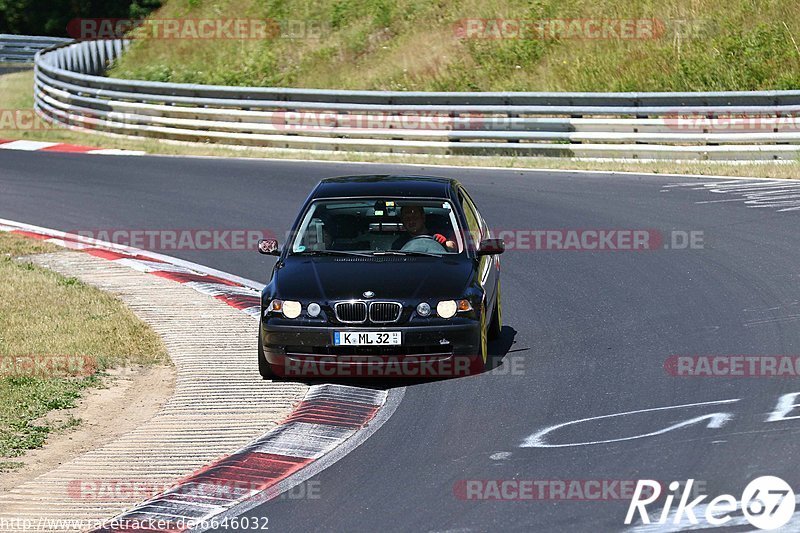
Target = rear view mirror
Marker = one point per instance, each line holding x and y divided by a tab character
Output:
492	247
268	247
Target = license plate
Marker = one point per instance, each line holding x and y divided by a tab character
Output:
366	338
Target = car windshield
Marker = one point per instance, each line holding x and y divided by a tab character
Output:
377	226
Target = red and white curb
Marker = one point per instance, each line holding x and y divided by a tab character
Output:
237	292
328	416
329	422
41	146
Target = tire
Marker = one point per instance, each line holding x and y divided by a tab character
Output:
264	368
480	363
496	325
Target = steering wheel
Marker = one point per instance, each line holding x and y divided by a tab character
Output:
421	246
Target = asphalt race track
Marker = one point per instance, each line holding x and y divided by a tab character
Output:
586	334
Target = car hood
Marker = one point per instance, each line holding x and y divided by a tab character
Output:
393	277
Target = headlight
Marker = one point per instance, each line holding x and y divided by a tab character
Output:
314	309
291	309
448	308
288	308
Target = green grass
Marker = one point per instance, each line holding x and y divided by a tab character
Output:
16	111
25	399
10	466
48	317
412	45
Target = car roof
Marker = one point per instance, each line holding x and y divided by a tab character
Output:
385	185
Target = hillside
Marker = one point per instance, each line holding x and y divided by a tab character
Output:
541	45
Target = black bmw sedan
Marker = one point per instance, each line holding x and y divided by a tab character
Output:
382	276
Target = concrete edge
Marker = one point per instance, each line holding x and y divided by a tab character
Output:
330	417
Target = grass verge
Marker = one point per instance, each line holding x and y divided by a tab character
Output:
16	96
482	45
57	337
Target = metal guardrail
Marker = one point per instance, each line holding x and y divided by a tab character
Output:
70	89
23	48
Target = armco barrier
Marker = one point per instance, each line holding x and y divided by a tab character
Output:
70	89
22	48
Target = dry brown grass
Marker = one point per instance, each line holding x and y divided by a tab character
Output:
45	313
56	334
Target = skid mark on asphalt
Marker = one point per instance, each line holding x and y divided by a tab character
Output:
774	315
782	195
775	320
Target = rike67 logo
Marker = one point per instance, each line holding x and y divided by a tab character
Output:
768	502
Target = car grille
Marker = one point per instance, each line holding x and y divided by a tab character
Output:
382	312
357	312
351	312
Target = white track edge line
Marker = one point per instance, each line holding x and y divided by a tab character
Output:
130	250
607	173
458	167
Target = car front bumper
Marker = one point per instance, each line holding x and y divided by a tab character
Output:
426	351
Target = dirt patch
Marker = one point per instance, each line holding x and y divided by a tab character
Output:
130	398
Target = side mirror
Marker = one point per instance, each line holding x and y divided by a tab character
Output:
491	247
268	247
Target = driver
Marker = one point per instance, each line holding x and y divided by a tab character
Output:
413	219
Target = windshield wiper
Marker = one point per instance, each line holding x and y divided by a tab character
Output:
330	252
399	252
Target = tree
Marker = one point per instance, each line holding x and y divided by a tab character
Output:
51	17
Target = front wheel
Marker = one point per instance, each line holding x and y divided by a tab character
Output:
496	325
264	368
